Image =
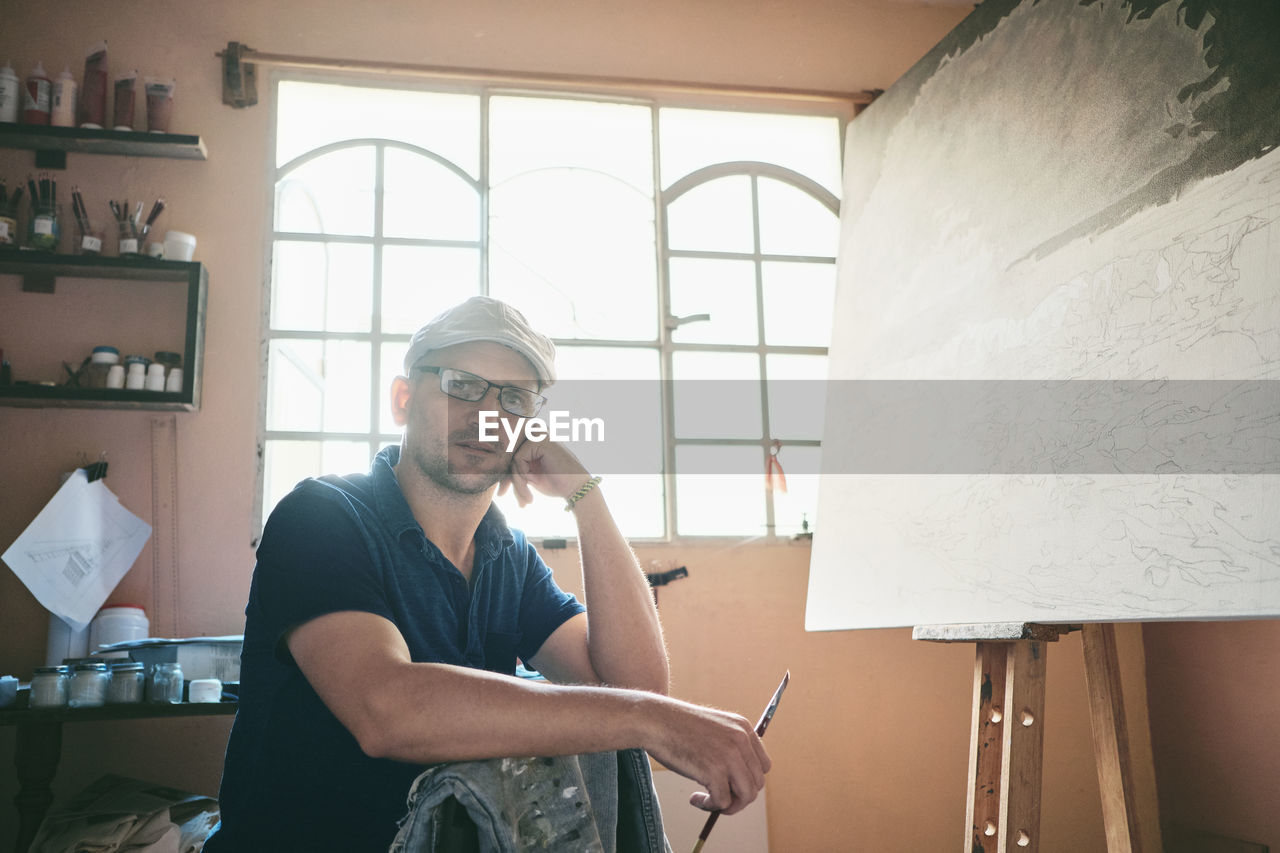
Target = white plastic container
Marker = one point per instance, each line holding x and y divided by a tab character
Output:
117	623
204	690
179	246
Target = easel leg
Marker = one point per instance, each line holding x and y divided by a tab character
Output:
1120	805
982	808
1006	744
1022	758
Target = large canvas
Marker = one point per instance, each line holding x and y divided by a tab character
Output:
1057	325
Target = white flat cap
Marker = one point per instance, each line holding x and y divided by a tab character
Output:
482	318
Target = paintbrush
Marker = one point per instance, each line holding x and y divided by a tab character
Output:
760	728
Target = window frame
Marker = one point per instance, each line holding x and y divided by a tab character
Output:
656	96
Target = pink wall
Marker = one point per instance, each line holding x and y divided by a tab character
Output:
871	744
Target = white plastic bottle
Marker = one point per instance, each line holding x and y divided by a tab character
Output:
10	94
64	100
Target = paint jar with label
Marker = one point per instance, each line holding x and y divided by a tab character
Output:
165	684
88	688
37	96
43	231
100	362
63	111
10	94
49	687
128	683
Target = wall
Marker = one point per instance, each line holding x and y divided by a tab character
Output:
870	745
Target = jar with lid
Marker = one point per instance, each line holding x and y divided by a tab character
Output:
49	687
100	361
165	683
128	681
117	623
88	687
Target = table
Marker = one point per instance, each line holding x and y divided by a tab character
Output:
38	748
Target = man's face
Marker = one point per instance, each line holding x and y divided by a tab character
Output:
442	433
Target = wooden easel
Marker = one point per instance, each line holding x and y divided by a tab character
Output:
1002	810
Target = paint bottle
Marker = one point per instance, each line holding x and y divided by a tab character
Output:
37	96
63	113
10	94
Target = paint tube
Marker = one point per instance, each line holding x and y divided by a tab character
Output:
159	103
126	98
92	110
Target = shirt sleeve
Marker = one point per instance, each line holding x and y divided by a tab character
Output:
314	559
544	607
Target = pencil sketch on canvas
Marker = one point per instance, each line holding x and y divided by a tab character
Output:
1072	193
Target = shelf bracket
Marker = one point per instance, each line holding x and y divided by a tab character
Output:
239	78
38	282
51	159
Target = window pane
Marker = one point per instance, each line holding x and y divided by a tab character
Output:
574	251
531	134
722	288
716	395
318	385
798	299
321	287
286	463
797	396
726	504
418	282
426	200
636	503
693	139
310	115
799	503
713	217
332	194
620	387
390	365
792	222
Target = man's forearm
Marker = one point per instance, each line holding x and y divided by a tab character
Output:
430	713
624	636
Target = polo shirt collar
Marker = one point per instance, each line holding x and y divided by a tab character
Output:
492	535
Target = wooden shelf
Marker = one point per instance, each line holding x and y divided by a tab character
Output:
130	711
40	272
176	146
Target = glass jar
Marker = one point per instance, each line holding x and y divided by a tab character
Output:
88	687
42	228
128	681
49	687
165	684
100	361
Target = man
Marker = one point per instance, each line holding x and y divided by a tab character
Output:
387	612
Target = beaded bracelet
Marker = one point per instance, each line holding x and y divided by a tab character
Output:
581	493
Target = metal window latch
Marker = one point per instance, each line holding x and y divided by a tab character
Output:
674	322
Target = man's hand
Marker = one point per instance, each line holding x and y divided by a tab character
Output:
547	466
717	749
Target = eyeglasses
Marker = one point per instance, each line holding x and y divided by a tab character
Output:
461	385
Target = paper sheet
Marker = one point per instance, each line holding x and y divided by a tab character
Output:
77	549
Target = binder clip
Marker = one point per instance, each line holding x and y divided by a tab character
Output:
97	470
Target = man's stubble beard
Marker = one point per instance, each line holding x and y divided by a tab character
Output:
433	463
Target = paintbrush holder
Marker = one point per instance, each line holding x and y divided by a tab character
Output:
128	239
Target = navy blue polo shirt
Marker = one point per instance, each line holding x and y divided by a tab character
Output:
294	777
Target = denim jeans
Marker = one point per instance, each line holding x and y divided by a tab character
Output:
591	803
